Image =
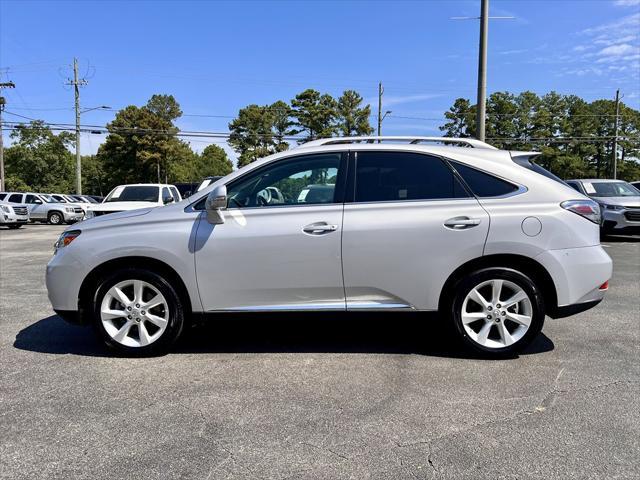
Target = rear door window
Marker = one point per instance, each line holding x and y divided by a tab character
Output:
483	184
15	198
401	176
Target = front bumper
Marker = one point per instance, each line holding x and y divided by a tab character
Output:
73	217
621	221
12	218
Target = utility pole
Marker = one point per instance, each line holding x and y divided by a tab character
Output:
615	136
380	92
2	103
482	72
77	83
481	105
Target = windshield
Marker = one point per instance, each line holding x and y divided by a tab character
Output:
611	189
134	193
49	199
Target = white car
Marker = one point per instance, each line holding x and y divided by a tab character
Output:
484	236
134	196
62	198
45	208
13	215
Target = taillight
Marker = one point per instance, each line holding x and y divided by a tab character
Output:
585	208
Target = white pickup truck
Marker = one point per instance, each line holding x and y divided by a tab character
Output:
134	196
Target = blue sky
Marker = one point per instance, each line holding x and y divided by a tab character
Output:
216	57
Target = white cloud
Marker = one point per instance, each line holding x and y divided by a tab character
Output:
390	100
617	50
626	3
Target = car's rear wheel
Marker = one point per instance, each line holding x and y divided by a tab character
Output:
55	218
497	311
137	312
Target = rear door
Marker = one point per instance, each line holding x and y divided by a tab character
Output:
408	224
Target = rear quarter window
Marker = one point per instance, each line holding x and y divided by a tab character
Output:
483	184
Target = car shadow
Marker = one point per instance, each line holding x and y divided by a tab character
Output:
620	238
317	332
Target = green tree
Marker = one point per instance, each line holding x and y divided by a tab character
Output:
40	160
259	131
212	161
461	119
93	176
142	145
314	115
352	117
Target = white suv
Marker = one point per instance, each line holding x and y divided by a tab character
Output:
45	208
484	236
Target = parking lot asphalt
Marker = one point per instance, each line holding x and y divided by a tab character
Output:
315	396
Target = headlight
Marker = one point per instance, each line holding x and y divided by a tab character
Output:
613	207
6	208
65	239
69	209
89	214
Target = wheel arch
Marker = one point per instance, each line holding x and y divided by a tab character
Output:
540	276
147	263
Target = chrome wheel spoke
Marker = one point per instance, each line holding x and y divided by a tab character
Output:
154	302
123	332
496	289
108	314
477	297
505	336
516	298
483	334
143	334
472	317
524	320
138	290
119	295
156	320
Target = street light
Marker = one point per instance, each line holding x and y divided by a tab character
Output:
78	158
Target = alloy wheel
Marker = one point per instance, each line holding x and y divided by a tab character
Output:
496	313
134	313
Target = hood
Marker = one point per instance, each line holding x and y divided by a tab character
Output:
112	217
624	201
121	206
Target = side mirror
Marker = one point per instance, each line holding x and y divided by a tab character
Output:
167	199
215	203
38	201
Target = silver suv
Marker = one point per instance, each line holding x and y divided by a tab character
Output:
484	236
45	208
619	202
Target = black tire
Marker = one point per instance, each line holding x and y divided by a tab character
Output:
175	310
462	289
15	226
55	218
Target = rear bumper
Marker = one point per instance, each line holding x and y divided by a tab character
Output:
577	273
568	310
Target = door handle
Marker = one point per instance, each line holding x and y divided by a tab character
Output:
319	228
461	223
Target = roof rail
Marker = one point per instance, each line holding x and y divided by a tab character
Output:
466	142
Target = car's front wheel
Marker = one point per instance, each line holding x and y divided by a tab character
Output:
55	218
137	312
497	311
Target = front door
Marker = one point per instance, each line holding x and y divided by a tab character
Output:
279	248
408	225
37	210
